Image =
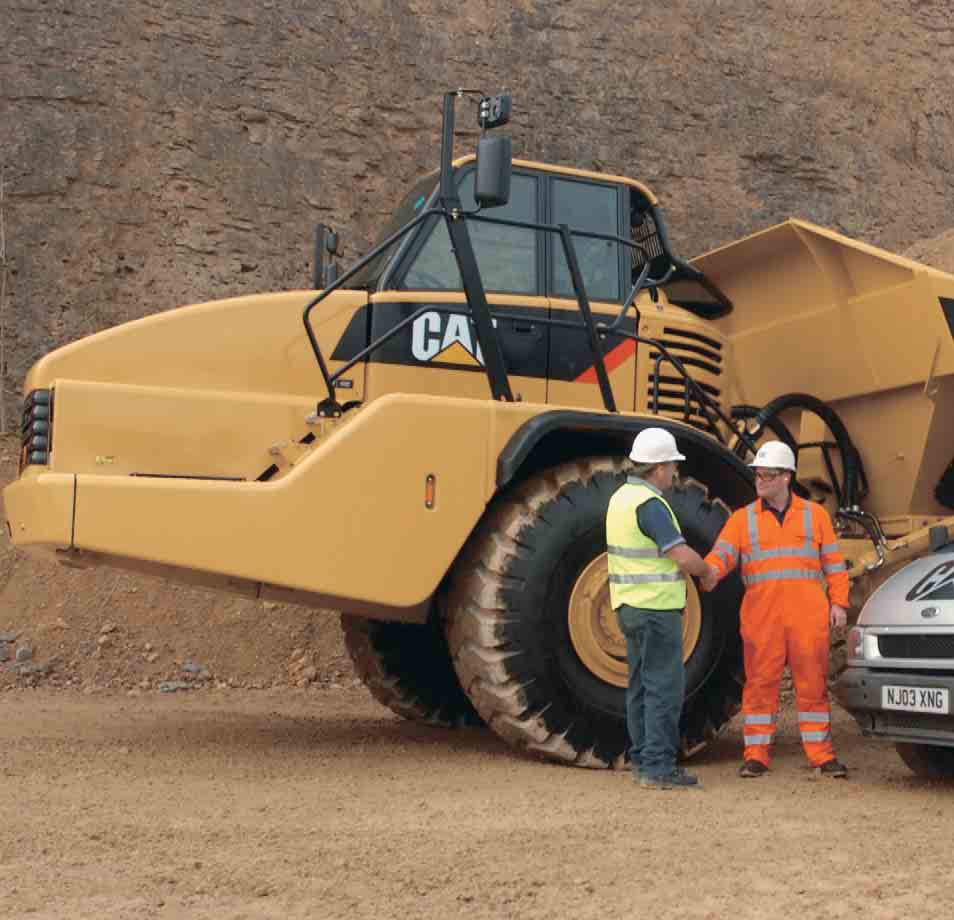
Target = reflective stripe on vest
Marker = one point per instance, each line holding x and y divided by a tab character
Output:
639	575
634	553
652	579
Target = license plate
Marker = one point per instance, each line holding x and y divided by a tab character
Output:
916	699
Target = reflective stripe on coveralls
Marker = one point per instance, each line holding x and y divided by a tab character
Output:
759	728
785	568
806	551
639	574
728	552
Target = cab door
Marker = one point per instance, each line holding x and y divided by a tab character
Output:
438	351
596	207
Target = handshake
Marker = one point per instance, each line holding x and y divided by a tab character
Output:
709	578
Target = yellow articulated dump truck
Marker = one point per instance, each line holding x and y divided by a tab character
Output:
428	441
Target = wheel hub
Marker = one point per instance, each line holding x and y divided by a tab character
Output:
594	629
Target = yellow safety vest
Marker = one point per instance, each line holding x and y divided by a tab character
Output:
639	575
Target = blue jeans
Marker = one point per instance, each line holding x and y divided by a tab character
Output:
657	681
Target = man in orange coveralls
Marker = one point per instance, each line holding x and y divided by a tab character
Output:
788	553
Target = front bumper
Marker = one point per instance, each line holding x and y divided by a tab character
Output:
39	509
859	691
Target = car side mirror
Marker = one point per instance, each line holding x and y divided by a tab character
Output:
494	166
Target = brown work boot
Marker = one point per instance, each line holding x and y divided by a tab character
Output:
752	768
833	768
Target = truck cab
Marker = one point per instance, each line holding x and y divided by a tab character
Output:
527	281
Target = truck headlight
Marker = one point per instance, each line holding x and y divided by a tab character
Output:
855	646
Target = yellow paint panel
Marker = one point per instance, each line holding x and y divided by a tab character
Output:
249	344
114	429
39	510
349	521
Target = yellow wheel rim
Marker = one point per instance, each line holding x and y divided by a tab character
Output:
594	629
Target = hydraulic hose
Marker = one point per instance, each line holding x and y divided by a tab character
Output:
744	412
768	417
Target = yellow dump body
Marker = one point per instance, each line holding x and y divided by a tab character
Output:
865	330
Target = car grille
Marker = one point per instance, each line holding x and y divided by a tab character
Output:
912	721
916	646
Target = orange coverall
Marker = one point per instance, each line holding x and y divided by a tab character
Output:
785	615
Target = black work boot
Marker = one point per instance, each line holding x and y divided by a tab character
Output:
677	778
833	768
752	768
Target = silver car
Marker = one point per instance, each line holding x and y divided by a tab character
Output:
899	679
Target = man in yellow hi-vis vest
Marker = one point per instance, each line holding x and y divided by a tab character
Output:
648	563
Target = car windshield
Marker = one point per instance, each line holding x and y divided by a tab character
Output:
411	205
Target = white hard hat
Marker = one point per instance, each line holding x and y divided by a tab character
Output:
655	445
776	455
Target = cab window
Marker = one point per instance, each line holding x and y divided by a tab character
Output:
506	256
595	208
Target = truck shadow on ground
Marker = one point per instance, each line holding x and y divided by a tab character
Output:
235	732
165	731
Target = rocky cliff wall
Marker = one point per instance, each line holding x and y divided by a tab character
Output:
165	152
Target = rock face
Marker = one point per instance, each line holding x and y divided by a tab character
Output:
164	153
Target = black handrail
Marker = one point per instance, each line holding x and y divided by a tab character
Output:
706	403
593	330
438	209
339	282
599	362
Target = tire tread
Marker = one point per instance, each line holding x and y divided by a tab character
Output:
478	618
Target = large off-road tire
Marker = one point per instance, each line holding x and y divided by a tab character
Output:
407	668
535	643
928	760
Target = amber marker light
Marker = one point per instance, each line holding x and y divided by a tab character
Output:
430	491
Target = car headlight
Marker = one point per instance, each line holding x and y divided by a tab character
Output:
855	646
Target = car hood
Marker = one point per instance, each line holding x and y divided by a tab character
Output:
921	594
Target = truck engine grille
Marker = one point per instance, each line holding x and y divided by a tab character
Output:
36	426
916	646
702	358
645	232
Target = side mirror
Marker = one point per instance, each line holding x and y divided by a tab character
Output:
494	166
326	242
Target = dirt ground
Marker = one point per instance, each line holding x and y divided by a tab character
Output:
319	804
101	629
